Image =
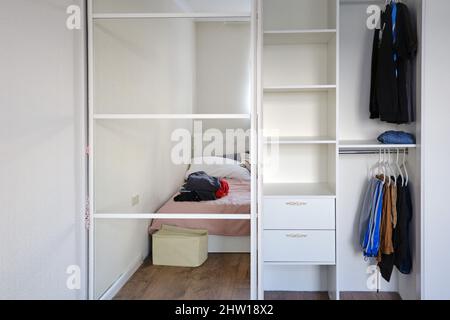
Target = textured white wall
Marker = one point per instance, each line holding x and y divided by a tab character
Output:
436	145
222	69
42	172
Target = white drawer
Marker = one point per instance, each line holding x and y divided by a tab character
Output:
288	214
299	246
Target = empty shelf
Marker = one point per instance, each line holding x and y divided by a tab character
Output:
292	37
182	15
299	140
298	190
299	88
169	116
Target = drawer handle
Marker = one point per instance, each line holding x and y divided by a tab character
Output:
296	203
297	235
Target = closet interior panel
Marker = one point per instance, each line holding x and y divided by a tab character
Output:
356	42
410	287
299	15
313	115
307	165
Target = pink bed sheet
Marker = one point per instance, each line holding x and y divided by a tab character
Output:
237	202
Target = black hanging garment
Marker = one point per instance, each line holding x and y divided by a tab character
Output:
402	246
392	90
401	258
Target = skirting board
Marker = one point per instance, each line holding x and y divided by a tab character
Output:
221	244
122	280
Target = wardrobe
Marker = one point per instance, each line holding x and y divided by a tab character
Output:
316	145
306	88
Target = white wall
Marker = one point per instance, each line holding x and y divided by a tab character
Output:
436	146
355	65
42	168
223	72
144	66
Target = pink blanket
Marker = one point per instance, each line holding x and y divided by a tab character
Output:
237	202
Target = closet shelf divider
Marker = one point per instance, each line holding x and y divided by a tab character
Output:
293	37
169	116
299	140
185	216
298	88
298	190
181	15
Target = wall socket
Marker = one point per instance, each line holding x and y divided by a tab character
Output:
135	200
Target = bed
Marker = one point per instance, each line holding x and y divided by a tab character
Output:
237	202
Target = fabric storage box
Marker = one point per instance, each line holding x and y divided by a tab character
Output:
178	247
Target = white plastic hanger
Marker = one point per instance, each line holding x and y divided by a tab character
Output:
381	168
398	167
404	167
391	168
386	167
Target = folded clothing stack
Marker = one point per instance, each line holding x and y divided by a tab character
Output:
202	187
397	137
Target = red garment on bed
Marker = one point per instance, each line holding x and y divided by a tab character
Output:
224	189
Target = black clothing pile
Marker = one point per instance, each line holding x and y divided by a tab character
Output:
394	50
199	187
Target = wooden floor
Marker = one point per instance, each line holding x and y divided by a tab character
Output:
324	296
222	277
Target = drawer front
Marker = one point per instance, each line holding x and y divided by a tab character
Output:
299	246
288	214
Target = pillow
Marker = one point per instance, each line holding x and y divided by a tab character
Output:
219	167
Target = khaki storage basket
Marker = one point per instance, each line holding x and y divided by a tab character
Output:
178	247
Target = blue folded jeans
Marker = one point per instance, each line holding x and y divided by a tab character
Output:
397	137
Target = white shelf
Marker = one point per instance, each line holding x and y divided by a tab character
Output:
169	116
193	15
171	216
299	263
293	37
299	140
299	88
372	144
284	190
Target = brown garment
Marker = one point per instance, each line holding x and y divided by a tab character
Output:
394	205
387	218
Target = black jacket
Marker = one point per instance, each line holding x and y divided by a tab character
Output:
392	89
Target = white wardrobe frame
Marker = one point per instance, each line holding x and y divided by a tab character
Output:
257	144
92	216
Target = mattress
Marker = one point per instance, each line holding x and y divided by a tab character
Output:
238	201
